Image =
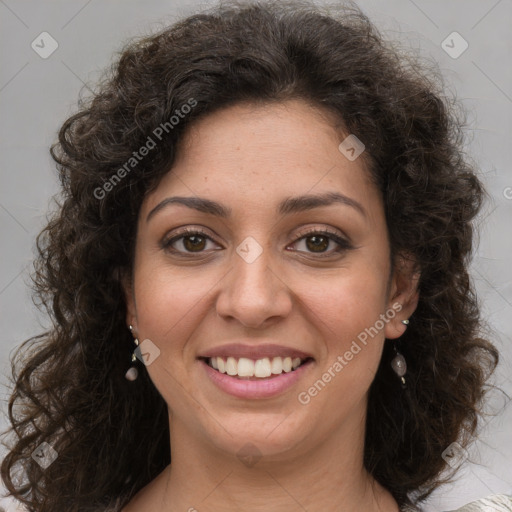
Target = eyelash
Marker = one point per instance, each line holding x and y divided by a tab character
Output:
343	244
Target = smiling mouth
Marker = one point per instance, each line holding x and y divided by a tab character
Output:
255	369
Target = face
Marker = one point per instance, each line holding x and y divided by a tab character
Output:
270	273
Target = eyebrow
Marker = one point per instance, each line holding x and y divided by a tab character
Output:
286	207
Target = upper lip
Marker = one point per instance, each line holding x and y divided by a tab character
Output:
238	350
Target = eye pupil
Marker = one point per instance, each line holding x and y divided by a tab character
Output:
318	242
198	244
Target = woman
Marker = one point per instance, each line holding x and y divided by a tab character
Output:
267	214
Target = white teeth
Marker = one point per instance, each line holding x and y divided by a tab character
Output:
245	367
261	368
277	365
231	366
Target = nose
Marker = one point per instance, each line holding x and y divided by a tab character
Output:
254	293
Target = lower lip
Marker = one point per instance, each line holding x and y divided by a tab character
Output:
263	388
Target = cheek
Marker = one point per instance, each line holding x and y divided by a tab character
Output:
347	317
167	303
346	311
344	303
168	311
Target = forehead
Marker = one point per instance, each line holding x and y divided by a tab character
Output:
250	153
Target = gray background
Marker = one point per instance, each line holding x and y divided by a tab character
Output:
36	96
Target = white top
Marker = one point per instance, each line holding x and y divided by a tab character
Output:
494	503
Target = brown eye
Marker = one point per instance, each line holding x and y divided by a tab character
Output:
319	241
189	241
194	243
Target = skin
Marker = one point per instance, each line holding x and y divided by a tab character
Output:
249	158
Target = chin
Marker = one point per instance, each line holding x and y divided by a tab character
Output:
266	438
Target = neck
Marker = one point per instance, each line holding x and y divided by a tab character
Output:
328	477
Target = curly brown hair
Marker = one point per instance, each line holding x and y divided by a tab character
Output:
112	437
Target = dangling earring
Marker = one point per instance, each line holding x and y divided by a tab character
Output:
398	363
132	372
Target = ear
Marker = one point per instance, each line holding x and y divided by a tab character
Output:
126	282
403	293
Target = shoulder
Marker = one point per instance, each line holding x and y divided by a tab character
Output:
495	503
